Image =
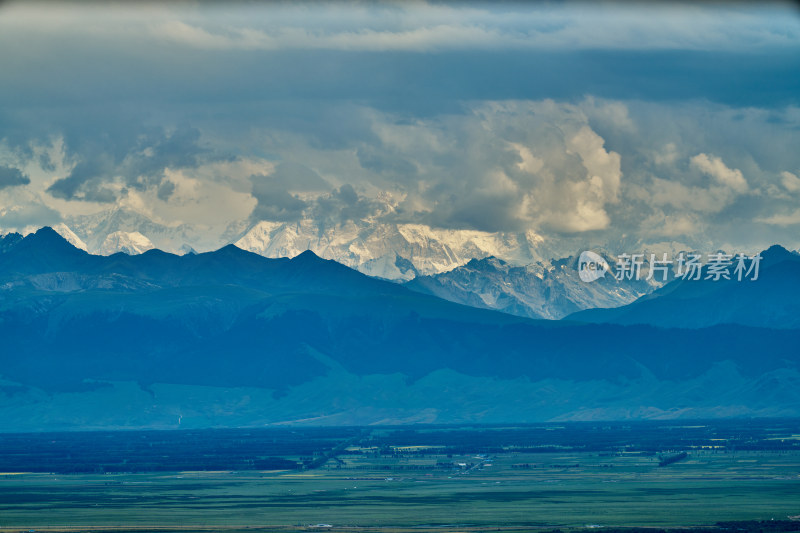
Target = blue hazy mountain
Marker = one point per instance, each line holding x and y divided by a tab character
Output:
230	338
771	301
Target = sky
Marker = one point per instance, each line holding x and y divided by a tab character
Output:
619	124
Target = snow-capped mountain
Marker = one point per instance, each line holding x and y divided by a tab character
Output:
94	229
131	243
380	249
63	230
234	339
391	251
546	289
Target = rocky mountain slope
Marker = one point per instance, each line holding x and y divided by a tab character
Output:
547	289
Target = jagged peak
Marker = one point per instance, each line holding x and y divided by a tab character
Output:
47	232
776	249
776	254
9	239
156	252
307	256
42	247
480	263
186	249
48	237
231	249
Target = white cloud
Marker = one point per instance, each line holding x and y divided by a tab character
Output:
790	182
789	219
675	194
612	113
529	163
602	167
421	26
714	167
677	225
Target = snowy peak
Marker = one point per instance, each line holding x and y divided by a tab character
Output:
63	230
186	250
42	251
131	243
490	264
389	251
549	289
94	229
49	240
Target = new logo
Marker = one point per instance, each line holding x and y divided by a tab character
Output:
591	266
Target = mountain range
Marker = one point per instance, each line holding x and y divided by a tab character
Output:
770	301
231	338
385	250
390	251
545	289
114	230
507	272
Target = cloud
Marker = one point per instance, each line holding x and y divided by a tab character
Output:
417	26
789	219
423	27
344	204
286	111
165	190
278	194
296	177
274	202
592	170
27	215
659	224
501	166
675	194
668	155
551	167
790	182
714	167
105	171
12	177
602	183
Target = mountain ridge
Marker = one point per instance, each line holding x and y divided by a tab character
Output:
546	289
232	338
768	301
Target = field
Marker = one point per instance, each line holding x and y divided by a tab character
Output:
542	477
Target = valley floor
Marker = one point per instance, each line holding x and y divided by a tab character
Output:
407	487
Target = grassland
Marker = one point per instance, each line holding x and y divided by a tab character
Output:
510	491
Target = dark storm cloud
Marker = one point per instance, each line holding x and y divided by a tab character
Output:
343	204
383	162
87	180
12	177
276	193
274	202
138	165
165	190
